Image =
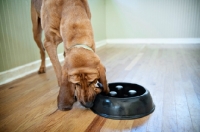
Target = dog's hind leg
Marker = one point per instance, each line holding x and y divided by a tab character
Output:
37	34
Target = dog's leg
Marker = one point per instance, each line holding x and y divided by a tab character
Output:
37	34
66	95
65	98
51	49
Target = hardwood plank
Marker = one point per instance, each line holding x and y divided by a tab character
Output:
134	61
155	120
169	123
193	105
183	115
125	126
140	125
96	124
110	125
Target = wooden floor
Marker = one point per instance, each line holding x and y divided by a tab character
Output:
170	72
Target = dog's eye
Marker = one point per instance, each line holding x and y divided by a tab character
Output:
90	83
78	84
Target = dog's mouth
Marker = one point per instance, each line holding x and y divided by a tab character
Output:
87	104
90	103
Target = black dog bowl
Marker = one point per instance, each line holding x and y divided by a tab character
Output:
125	101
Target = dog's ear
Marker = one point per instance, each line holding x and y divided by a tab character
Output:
102	79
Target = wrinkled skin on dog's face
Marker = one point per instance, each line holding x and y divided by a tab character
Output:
85	87
84	69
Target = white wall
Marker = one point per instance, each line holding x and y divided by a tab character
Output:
152	19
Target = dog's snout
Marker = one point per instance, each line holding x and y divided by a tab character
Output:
87	104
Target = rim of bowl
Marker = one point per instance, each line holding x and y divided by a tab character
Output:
122	98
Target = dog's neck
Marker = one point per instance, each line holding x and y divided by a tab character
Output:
81	46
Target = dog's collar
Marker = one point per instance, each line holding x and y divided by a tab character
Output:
82	46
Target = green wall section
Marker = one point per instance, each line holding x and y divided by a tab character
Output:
111	19
98	8
17	46
152	19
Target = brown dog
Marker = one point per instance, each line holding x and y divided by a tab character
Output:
69	21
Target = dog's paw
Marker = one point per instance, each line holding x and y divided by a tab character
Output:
41	70
64	108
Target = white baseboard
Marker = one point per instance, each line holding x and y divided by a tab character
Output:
100	43
155	41
21	71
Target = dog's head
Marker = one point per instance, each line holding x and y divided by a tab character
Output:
85	87
84	70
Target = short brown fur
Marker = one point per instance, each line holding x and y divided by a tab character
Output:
68	21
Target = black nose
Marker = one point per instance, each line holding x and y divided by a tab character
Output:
87	104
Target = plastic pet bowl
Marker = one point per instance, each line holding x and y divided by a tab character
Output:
125	101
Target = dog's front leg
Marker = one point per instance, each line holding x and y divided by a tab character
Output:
66	94
51	49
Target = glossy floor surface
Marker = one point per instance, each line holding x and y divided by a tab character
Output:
170	72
